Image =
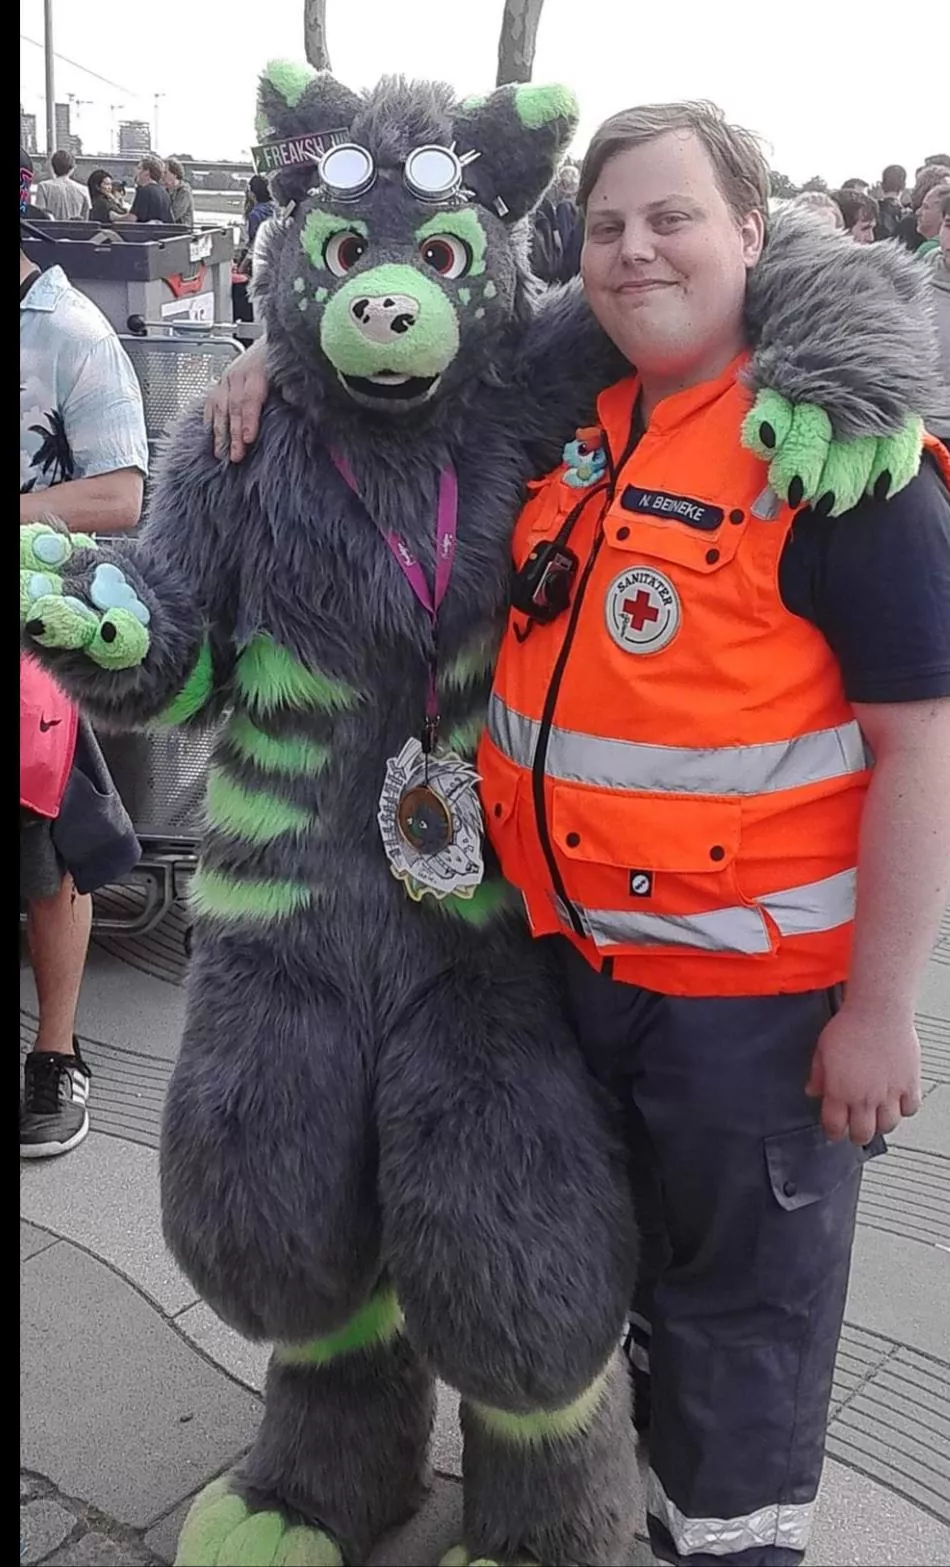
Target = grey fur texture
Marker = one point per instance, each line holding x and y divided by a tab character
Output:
368	1087
847	326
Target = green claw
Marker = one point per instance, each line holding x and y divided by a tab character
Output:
36	585
60	621
767	424
796	467
845	474
222	1531
43	548
899	456
120	641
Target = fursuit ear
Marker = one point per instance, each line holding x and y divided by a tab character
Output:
295	100
521	133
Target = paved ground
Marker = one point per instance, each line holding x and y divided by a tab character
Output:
133	1395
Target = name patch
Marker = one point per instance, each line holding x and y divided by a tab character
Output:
295	151
658	503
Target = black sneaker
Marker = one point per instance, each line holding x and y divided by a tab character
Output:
53	1115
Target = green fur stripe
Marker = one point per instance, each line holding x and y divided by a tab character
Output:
473	664
193	694
375	1323
268	678
296	758
464	737
250	814
538	105
217	895
545	1425
289	78
487	901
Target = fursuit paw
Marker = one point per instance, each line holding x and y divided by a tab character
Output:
222	1530
70	603
808	467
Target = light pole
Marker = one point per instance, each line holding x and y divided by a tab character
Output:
50	85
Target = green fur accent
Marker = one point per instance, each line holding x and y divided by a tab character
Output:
489	291
465	225
67	622
464	737
250	814
303	305
379	1321
426	350
296	758
480	312
289	78
222	1531
474	101
303	1547
802	455
846	472
217	895
299	285
268	677
465	295
263	129
538	106
321	226
472	664
487	901
128	646
544	1425
193	694
320	294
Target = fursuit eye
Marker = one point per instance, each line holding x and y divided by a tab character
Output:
342	251
446	254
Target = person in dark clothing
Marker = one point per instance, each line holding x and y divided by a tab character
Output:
104	206
152	203
262	207
891	208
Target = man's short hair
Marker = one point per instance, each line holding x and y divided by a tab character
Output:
940	159
741	170
894	178
154	167
62	163
933	174
854	185
855	207
175	168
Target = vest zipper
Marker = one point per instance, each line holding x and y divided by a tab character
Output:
550	701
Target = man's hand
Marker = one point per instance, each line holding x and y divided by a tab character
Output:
233	406
866	1072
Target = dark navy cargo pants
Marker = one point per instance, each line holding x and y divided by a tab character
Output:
747	1218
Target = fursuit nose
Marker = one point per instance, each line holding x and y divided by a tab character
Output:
383	317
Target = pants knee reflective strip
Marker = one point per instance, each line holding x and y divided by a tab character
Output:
784	1525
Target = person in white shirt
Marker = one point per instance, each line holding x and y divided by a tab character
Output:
62	197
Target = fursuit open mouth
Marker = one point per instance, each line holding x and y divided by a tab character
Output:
390	386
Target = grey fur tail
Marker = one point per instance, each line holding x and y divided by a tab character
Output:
847	326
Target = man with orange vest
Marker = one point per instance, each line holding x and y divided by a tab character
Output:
718	768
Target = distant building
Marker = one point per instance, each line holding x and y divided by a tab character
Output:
28	132
65	140
135	138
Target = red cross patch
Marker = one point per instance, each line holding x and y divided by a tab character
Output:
642	610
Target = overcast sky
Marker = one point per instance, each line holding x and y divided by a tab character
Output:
830	89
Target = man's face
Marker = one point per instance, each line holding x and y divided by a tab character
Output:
665	259
142	176
928	215
944	237
169	181
862	232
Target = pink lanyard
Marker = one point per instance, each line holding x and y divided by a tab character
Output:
446	534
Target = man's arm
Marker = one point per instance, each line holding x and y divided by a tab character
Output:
867	1065
106	503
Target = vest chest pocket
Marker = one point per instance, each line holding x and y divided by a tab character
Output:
674	539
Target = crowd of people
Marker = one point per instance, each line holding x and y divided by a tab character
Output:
162	194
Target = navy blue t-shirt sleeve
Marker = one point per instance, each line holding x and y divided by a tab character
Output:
876	583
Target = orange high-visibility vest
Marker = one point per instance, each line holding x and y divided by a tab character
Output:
672	773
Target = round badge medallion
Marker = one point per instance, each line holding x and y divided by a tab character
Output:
642	610
424	820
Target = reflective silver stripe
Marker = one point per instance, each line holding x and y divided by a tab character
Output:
739	770
723	930
797	911
783	1524
819	905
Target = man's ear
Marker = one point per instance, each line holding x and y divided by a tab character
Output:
521	133
295	100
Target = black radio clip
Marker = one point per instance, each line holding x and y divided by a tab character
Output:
541	588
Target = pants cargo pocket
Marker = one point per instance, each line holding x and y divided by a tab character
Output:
811	1199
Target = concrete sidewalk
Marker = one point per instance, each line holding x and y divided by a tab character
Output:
133	1395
